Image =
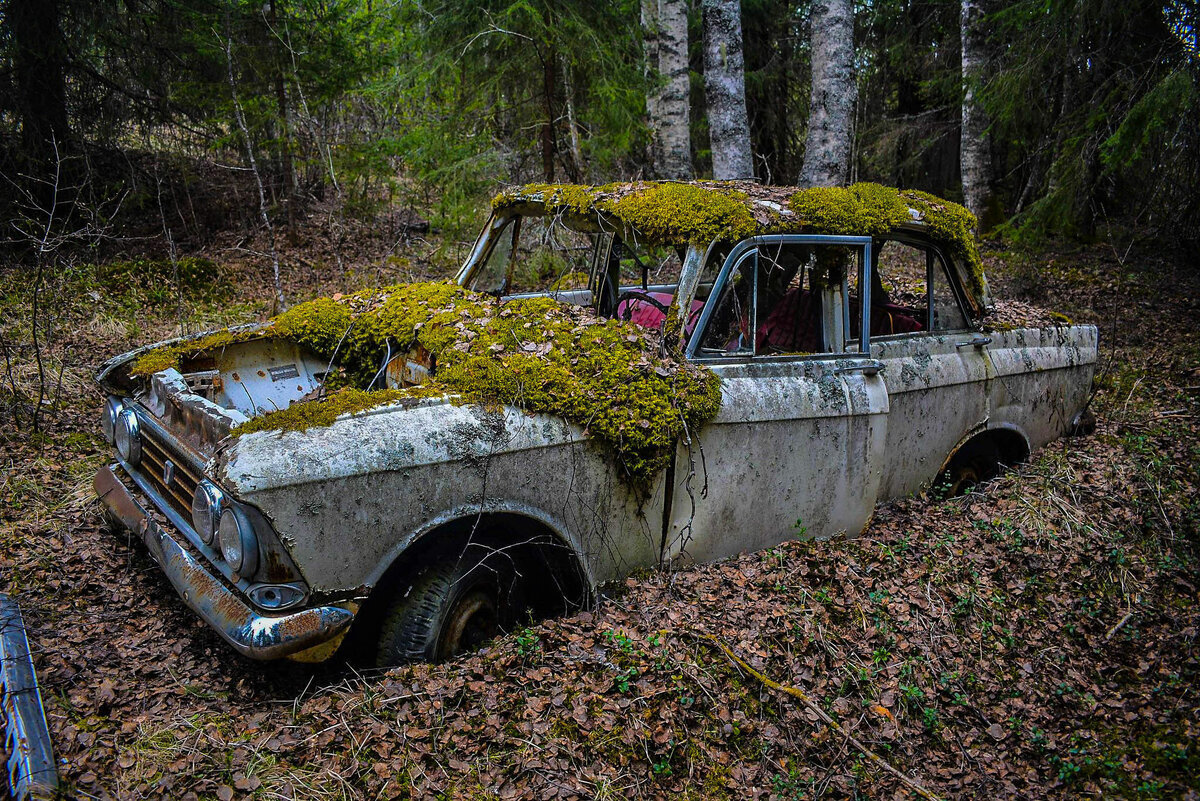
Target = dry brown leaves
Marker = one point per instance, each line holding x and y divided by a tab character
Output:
1036	639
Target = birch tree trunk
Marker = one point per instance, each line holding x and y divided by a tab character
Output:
675	134
650	62
834	93
975	159
725	90
665	45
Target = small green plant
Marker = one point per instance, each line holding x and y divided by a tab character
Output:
528	642
620	640
623	679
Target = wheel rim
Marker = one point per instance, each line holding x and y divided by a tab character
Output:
472	621
964	478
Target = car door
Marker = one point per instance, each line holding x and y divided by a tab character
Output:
936	366
795	449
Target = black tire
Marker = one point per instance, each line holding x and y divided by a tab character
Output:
972	465
450	606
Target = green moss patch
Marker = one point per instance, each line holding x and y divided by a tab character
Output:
670	212
172	355
319	414
953	227
611	377
860	210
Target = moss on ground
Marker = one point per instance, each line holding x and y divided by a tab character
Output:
611	377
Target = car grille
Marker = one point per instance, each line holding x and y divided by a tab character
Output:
176	484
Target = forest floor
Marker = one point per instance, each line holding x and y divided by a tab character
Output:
1034	638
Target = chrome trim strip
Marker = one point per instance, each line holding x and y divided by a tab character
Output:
31	769
254	635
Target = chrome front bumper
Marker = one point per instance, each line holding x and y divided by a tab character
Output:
255	635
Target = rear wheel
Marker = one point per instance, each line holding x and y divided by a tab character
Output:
972	465
450	606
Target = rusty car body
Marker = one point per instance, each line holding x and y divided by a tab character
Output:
431	524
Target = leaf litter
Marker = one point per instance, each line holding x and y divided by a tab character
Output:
1033	639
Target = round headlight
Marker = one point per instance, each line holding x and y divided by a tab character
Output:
239	548
126	438
207	503
108	418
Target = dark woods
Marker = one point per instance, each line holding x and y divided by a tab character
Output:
175	118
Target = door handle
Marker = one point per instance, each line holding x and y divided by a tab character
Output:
977	341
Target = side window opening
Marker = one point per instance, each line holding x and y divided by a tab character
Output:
910	293
649	278
781	299
551	257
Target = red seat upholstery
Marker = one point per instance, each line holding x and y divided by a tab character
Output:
792	326
647	315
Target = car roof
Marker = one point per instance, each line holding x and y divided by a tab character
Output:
701	212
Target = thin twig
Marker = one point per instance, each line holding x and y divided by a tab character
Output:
816	709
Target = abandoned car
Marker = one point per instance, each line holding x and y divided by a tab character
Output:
622	376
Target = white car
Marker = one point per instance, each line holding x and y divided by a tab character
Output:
428	513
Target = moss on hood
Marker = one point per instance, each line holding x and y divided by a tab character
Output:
611	377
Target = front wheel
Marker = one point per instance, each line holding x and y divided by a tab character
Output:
450	606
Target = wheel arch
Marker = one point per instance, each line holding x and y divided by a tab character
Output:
548	558
1008	439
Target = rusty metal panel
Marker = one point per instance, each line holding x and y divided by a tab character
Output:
30	767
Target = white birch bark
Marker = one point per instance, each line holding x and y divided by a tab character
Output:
650	28
975	160
665	47
834	93
674	132
725	90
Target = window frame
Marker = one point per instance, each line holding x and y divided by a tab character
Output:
933	255
863	245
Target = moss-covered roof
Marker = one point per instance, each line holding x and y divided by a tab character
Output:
668	212
614	378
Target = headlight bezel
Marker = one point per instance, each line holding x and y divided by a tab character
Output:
127	436
216	502
113	406
239	538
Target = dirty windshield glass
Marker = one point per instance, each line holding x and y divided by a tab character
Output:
537	254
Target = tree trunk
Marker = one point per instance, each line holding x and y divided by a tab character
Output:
834	93
39	60
674	134
650	62
725	90
549	73
976	158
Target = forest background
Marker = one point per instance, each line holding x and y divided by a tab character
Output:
1078	114
169	166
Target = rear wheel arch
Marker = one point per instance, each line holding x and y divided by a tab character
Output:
981	456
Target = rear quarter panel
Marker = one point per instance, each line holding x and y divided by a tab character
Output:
1040	378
